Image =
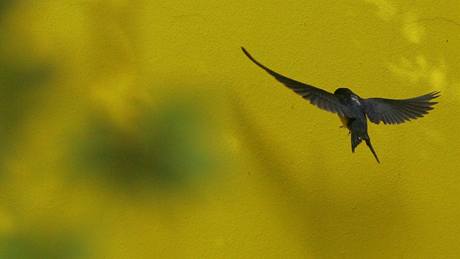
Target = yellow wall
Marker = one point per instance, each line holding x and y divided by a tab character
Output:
138	129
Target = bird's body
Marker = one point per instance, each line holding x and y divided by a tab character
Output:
355	121
353	110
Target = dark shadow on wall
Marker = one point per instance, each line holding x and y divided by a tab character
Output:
20	87
23	80
169	151
323	219
5	5
42	244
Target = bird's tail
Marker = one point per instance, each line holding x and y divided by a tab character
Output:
356	140
368	143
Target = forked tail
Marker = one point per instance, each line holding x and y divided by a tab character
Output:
368	143
356	139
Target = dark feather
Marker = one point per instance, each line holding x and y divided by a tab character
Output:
316	96
392	111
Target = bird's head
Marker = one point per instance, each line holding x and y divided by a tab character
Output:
343	92
345	95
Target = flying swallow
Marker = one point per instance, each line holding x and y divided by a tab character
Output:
353	110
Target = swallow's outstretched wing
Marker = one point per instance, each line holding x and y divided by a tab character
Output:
318	97
392	111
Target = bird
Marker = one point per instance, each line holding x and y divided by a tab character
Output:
353	110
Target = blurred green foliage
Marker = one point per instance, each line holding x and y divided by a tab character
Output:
22	78
32	244
168	149
21	83
5	4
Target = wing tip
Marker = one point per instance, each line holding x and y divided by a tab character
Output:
255	61
432	95
248	55
435	94
244	50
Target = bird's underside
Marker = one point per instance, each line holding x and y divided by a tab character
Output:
354	110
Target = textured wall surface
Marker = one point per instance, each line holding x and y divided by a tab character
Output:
138	129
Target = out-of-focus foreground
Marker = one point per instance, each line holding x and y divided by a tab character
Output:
138	129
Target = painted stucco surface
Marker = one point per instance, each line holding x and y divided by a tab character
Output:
138	129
